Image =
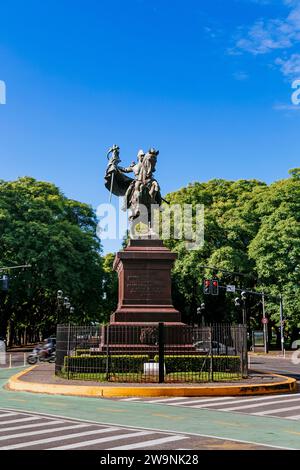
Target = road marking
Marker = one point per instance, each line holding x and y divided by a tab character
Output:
8	413
202	400
152	443
59	438
43	431
153	430
129	399
256	405
27	426
278	410
19	420
245	400
104	439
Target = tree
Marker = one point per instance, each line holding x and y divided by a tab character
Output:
57	236
276	249
250	228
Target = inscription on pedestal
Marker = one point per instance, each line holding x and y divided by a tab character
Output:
143	284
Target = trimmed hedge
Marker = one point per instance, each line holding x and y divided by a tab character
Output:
201	363
98	364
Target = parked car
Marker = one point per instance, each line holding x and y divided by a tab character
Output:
217	348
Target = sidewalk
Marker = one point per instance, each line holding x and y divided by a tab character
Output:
41	379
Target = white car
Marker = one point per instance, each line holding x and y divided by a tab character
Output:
217	348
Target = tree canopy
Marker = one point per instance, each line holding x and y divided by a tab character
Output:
252	228
57	237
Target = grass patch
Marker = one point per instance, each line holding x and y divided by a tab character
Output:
186	377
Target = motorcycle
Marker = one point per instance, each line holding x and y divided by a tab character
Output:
38	356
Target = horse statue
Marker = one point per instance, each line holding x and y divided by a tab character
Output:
141	192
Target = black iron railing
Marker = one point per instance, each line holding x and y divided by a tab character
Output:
152	353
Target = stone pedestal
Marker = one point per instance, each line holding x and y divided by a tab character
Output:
144	272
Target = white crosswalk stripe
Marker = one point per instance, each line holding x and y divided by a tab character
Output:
247	404
184	401
28	426
29	431
60	438
277	410
7	413
19	420
154	442
129	399
42	431
103	440
257	405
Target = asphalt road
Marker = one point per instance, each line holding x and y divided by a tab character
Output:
14	359
254	422
286	406
277	364
28	431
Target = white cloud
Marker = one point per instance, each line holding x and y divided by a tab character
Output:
286	107
290	67
240	76
268	35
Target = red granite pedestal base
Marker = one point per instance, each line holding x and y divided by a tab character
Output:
144	272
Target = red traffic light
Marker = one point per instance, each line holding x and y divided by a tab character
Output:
215	287
206	286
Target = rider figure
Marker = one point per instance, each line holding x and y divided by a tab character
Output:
47	348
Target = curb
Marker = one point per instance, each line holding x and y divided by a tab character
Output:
16	384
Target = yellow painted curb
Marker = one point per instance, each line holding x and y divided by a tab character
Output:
15	383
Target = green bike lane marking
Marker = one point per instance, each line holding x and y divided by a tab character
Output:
276	432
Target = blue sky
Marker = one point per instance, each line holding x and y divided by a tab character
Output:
206	82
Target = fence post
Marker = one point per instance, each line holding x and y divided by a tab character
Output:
211	365
161	353
10	361
107	353
244	352
68	350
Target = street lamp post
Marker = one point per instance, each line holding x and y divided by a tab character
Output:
265	325
281	325
59	299
200	313
244	298
240	302
63	302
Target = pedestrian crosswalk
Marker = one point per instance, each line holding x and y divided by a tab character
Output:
22	430
283	406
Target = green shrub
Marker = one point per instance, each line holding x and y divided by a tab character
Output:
201	363
98	364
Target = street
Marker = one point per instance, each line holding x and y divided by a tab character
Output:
41	432
41	421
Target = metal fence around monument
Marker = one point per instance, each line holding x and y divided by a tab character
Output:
155	353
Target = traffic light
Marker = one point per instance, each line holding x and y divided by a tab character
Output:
206	286
214	287
5	282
